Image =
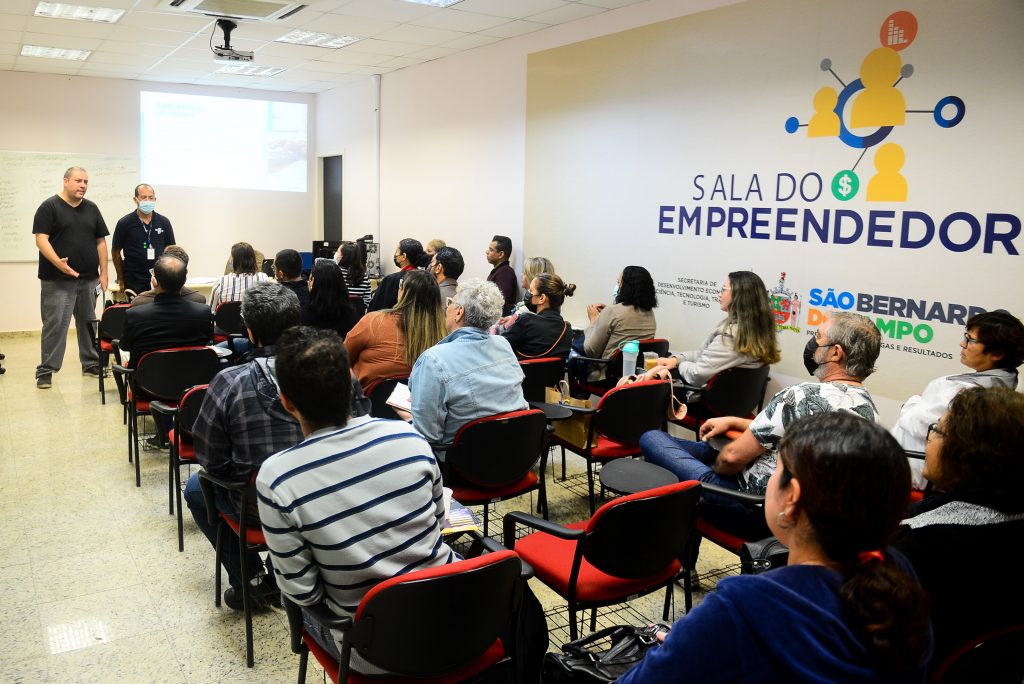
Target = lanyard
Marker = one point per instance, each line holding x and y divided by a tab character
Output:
148	242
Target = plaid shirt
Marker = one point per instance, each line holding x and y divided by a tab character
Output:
242	422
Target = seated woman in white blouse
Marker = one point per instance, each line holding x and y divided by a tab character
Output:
244	274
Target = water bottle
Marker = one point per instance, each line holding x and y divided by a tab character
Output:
630	351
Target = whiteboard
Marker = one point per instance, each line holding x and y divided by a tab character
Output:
31	177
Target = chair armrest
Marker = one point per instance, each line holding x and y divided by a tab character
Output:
492	546
914	454
121	370
324	616
593	359
319	613
237	485
579	409
536	523
742	497
162	408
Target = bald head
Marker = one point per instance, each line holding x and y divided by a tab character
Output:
170	273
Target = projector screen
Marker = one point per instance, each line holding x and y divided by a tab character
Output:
223	142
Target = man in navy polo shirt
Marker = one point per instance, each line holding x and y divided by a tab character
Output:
142	236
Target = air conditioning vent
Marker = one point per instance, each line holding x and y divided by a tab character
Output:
259	10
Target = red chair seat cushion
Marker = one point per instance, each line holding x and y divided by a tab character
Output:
605	449
724	539
252	536
551	559
466	493
916	495
106	346
186	449
141	405
491	656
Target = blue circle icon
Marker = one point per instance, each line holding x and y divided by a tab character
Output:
958	115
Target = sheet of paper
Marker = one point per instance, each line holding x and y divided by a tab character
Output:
400	397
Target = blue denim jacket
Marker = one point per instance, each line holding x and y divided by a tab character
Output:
467	375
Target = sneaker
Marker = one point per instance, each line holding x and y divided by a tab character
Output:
155	442
263	590
45	381
92	371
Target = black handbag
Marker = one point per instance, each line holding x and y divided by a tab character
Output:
583	661
762	555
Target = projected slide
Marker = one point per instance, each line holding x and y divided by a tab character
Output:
223	142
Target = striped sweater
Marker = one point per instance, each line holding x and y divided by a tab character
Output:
349	507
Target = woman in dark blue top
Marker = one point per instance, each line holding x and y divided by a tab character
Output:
843	610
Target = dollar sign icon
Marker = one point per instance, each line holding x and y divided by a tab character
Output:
845	185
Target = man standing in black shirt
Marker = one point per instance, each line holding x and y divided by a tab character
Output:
498	254
142	235
71	238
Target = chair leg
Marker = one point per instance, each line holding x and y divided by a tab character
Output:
216	559
170	479
138	457
104	360
668	601
574	631
593	620
563	463
590	484
487	528
247	598
303	659
177	495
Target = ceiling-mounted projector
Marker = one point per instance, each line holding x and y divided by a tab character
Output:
226	53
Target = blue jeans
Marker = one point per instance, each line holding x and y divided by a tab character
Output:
690	460
229	556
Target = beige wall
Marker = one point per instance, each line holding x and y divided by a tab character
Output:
50	113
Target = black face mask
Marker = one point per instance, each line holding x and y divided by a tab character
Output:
528	303
809	363
397	262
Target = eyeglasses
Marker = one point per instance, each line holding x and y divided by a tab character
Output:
934	429
449	301
970	340
725	287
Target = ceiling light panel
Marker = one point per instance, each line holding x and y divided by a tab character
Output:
249	70
54	53
435	3
324	40
63	10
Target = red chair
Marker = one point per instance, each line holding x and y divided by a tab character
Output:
632	546
539	374
250	537
442	624
378	392
163	375
613	367
732	392
109	327
492	459
183	451
622	415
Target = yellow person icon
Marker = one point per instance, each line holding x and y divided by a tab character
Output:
888	185
825	122
879	104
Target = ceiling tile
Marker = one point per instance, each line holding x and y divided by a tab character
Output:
473	40
133	48
432	53
388	10
402	62
563	15
457	20
68	27
511	10
419	35
167	21
348	25
384	47
99	57
514	28
611	4
10	48
148	36
53	40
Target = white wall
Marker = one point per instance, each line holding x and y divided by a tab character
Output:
51	113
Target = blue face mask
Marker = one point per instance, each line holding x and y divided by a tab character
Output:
615	292
147	207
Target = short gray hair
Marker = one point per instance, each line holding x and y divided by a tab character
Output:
268	310
481	302
860	339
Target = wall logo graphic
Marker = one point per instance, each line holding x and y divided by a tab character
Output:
786	304
875	102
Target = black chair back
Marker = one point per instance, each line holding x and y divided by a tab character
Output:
378	392
641	534
167	373
993	658
624	413
188	408
432	626
112	322
228	318
539	374
735	392
498	450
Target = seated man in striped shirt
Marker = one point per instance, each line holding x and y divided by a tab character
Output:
357	502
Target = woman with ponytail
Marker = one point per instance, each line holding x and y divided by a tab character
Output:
546	334
844	609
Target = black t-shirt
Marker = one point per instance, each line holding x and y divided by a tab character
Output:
300	288
73	233
134	237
